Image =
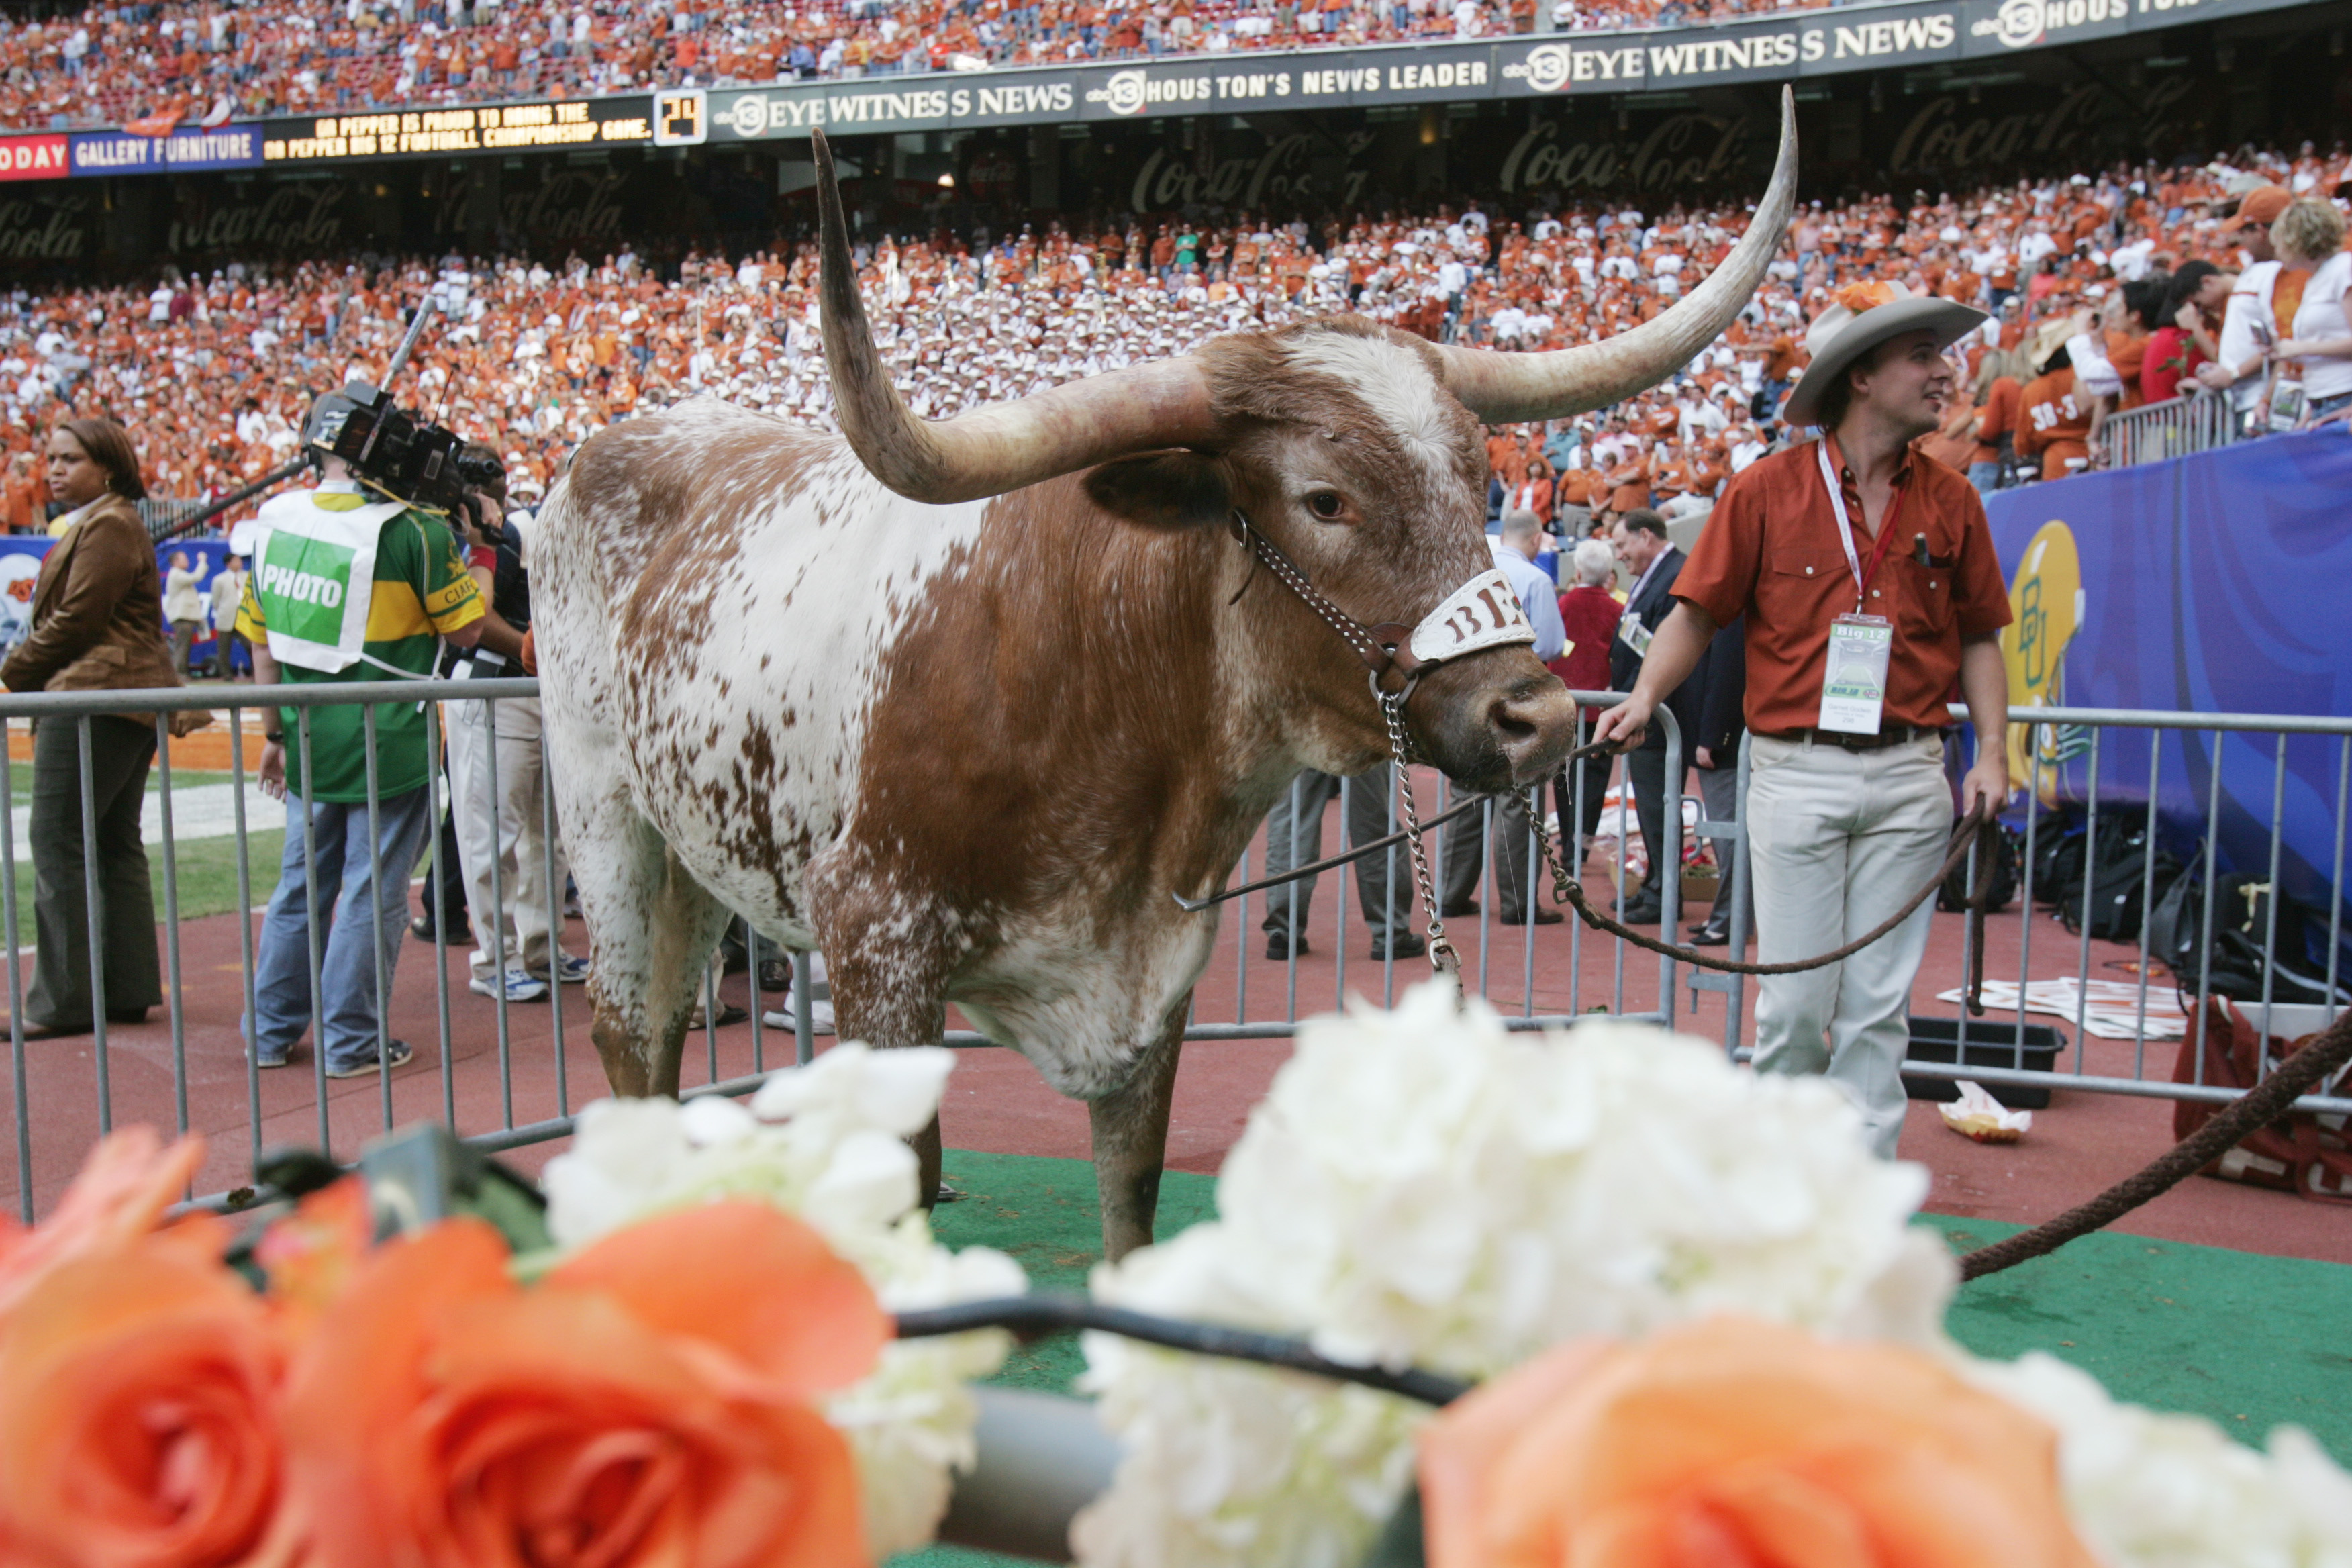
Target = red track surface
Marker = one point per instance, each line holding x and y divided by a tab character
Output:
996	1101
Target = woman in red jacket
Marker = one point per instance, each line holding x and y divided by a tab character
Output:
1588	613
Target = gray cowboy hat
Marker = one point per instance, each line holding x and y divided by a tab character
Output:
1840	336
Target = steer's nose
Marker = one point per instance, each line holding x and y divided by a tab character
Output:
1534	728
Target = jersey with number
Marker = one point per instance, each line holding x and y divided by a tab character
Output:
420	592
2053	423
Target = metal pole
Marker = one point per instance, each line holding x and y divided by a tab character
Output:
803	1002
245	924
436	753
318	1008
548	855
171	929
94	918
17	987
375	916
2212	897
487	756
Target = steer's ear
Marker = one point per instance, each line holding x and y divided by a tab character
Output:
1162	489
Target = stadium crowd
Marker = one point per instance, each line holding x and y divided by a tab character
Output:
212	374
119	64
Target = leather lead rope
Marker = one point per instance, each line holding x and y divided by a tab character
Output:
1388	647
1568	890
2264	1103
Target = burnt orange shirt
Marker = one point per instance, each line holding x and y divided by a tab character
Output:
2053	423
1999	418
1770	552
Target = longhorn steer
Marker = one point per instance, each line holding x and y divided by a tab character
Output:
968	724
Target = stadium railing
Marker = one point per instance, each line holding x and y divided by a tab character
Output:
2199	421
500	1074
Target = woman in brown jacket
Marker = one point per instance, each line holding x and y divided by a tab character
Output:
97	626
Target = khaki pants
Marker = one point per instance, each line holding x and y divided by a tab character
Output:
510	828
1839	840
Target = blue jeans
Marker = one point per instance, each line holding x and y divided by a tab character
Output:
348	955
1986	477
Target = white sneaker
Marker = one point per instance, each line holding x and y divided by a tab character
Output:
820	1016
521	986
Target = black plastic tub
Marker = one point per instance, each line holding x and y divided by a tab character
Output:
1992	1043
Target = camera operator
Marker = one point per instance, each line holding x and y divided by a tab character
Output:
313	617
516	942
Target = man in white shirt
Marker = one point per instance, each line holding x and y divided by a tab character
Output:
1515	552
1452	277
2249	327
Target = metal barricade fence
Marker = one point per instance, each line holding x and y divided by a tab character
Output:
2193	779
2199	421
202	1076
493	1087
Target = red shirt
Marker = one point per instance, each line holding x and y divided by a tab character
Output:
1589	616
1770	552
2171	358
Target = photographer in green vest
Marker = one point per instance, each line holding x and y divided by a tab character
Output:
348	584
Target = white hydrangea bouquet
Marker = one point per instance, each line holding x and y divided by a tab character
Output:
826	1142
1424	1188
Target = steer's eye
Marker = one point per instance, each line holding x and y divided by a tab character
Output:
1326	504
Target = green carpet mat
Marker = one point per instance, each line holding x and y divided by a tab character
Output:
2247	1339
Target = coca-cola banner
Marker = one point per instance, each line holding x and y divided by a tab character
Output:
45	224
1942	141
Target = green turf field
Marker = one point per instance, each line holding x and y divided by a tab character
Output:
207	871
2247	1339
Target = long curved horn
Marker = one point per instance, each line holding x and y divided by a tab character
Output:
990	450
1509	388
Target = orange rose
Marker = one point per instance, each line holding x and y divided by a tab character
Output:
1736	1444
650	1402
128	1181
138	1394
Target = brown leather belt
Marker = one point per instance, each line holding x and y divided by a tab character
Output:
1893	735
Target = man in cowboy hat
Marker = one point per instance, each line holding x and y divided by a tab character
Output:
1869	586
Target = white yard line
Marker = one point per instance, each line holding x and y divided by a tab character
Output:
198	811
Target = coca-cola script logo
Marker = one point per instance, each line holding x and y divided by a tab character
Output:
292	218
1282	173
1681	150
52	230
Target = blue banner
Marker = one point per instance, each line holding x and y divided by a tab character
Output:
185	150
2215	583
21	555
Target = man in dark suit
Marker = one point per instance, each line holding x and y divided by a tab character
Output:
1722	676
1639	538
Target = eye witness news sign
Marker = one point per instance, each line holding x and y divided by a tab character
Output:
1784	46
1524	66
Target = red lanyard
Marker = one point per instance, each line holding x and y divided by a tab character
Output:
1862	575
1886	538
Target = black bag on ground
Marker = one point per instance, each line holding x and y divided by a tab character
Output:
2008	852
2108	893
2242	914
2059	848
